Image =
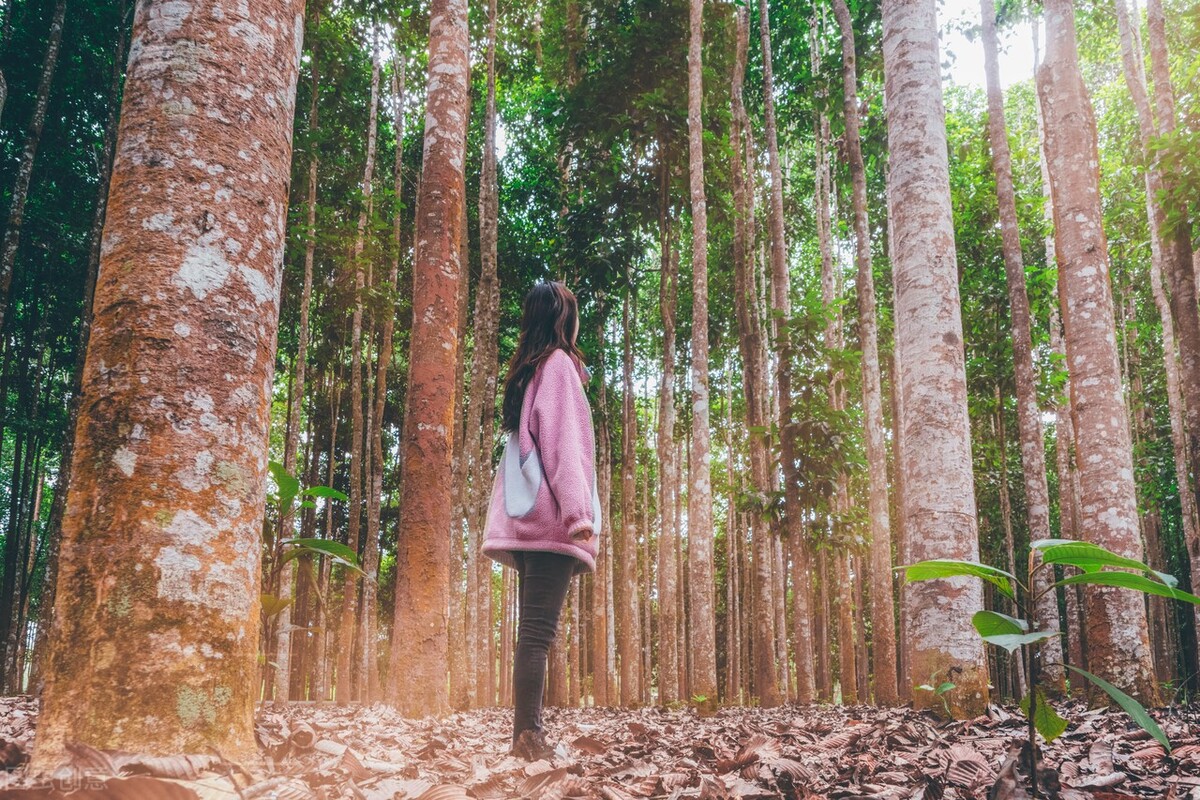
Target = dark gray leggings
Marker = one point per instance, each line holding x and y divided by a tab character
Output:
543	580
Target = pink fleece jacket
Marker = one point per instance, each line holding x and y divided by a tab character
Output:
545	486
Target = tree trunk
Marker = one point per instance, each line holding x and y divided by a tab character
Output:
646	585
602	633
162	531
883	622
939	498
1171	254
344	689
420	655
629	649
1118	648
480	424
33	136
1187	500
1006	521
765	680
668	588
1170	229
750	326
287	572
702	607
1064	437
58	504
1029	426
369	670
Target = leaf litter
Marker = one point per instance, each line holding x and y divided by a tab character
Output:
327	752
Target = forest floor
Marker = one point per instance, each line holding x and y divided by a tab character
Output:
370	752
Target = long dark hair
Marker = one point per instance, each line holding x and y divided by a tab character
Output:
547	324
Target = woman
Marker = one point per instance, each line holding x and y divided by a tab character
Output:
545	512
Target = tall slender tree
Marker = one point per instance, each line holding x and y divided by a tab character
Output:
33	137
883	621
935	456
287	571
419	656
368	619
629	640
1118	646
765	678
702	620
482	395
344	689
1029	425
162	531
668	586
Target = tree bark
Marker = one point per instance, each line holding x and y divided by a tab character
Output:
287	572
668	587
162	531
1001	431
344	688
1029	426
1118	648
883	621
603	689
702	608
420	655
765	679
368	622
629	641
58	504
33	136
935	456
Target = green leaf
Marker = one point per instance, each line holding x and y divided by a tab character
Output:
1045	718
335	550
327	492
308	504
288	485
1132	707
947	568
993	623
1011	641
1084	555
943	688
1129	580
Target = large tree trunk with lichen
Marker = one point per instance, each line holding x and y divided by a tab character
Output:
1029	425
702	620
1064	430
162	531
95	235
935	456
883	621
419	656
1118	647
